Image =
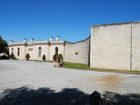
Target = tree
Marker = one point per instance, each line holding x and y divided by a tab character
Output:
43	57
27	56
3	45
55	57
60	58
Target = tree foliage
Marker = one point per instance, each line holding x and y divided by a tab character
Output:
43	57
55	57
3	45
27	56
60	58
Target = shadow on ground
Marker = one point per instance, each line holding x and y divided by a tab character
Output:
46	96
111	98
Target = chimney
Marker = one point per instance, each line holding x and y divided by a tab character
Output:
11	41
32	39
25	40
57	38
51	39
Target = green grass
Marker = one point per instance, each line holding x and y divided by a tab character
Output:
116	71
75	65
86	67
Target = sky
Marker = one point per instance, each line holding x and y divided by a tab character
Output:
70	19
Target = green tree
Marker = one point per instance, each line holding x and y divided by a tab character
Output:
3	45
27	56
60	58
43	57
55	57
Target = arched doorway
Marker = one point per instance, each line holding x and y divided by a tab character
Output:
18	51
39	51
56	50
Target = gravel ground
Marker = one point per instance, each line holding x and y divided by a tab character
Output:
15	74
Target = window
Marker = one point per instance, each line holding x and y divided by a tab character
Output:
56	50
12	50
76	53
39	52
18	52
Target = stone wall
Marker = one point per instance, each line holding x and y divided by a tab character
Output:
52	50
22	52
115	46
77	52
110	46
32	48
136	46
44	51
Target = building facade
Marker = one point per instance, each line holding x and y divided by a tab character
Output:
110	46
77	52
37	49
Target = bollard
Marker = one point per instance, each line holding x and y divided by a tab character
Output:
95	98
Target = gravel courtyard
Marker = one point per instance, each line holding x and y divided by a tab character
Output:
15	74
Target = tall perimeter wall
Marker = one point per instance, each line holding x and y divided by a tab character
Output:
136	46
77	52
115	46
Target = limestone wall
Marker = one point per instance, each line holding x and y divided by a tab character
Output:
77	52
110	46
115	46
44	51
22	52
52	50
136	46
33	49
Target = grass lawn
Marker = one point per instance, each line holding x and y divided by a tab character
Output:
86	67
75	65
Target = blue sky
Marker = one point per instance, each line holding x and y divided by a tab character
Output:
70	19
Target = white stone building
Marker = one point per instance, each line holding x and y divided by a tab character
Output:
37	49
111	46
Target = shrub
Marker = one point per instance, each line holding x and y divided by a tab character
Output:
43	57
55	57
60	58
12	56
27	56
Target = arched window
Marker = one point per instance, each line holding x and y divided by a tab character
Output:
56	50
39	52
12	50
18	51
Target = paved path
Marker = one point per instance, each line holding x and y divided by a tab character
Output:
15	74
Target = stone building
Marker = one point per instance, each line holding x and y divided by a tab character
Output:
110	46
77	52
37	49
